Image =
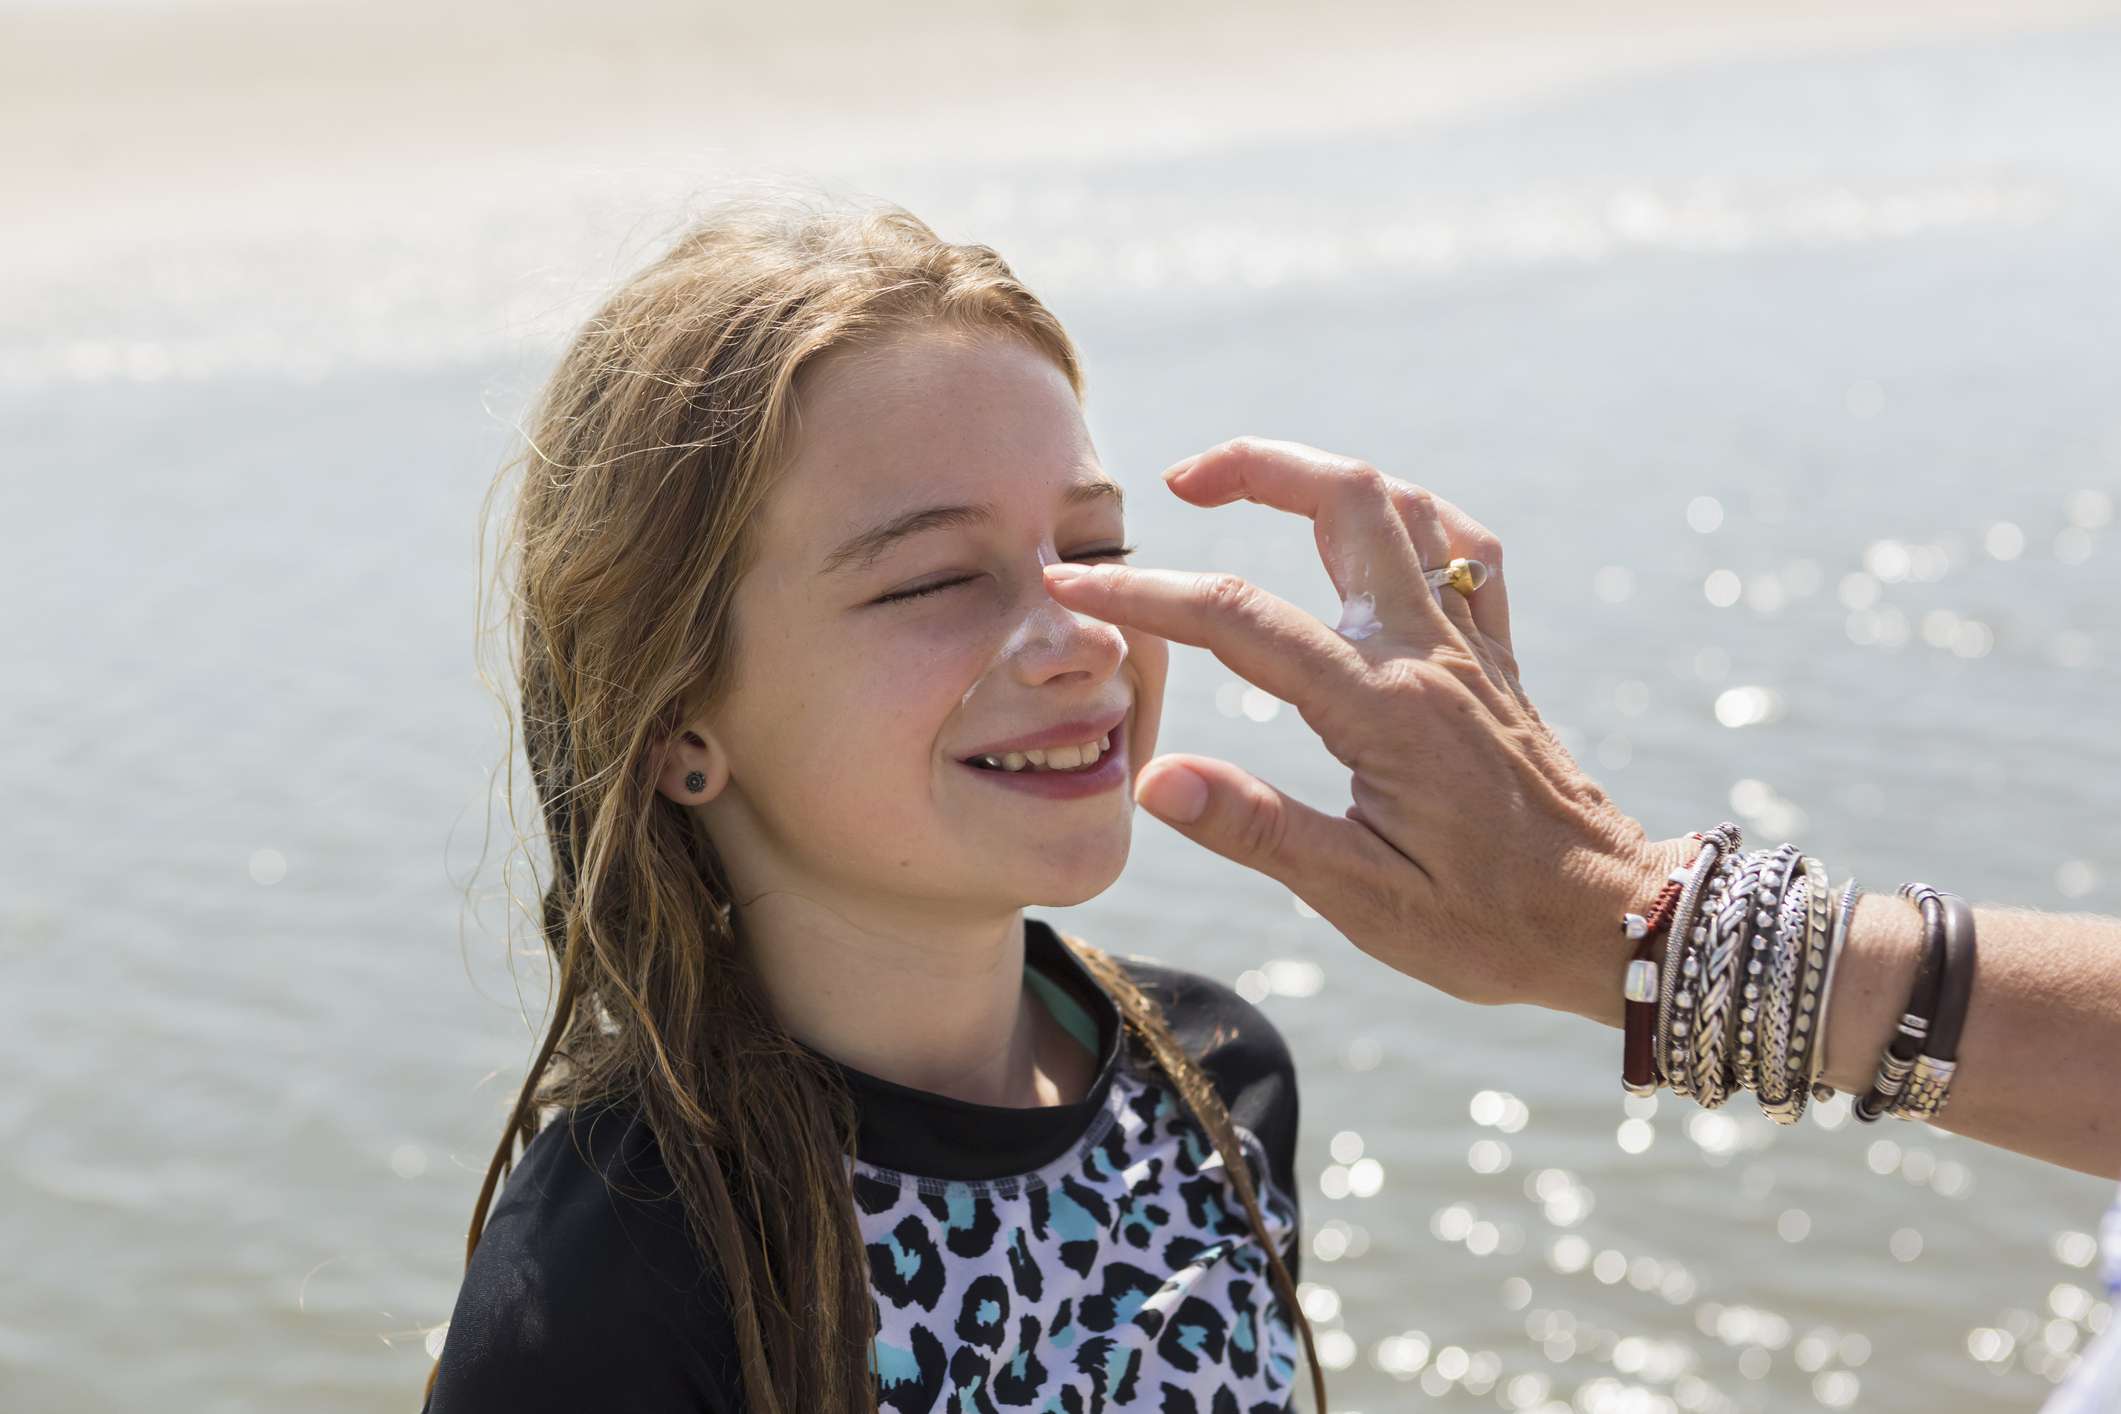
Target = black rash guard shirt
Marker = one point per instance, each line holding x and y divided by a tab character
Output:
1085	1258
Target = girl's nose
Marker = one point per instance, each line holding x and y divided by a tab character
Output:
1053	642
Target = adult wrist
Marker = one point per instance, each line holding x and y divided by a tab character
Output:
1623	883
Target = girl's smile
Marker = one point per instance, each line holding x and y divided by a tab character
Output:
1051	763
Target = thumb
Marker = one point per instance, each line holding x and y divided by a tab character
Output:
1241	817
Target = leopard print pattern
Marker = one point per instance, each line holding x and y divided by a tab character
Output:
1121	1278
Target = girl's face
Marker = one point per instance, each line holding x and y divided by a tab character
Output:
897	652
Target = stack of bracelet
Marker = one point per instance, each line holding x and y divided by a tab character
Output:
1734	993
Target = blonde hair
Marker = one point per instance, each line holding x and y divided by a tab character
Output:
649	454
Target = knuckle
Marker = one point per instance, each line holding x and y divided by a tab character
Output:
1417	501
1368	480
1228	595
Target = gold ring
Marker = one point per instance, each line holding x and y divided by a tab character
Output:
1461	574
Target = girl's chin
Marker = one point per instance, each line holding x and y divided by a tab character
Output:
1054	880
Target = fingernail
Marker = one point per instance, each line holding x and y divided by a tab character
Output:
1174	794
1061	572
1178	469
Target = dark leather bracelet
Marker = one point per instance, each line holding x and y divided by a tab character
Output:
1929	1083
1909	1039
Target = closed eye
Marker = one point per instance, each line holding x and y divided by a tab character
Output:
904	596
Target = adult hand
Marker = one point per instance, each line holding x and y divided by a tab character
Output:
1477	855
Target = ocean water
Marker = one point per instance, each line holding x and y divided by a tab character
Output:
1789	384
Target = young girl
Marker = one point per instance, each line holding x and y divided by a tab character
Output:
823	1123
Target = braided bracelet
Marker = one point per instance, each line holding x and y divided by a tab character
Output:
1716	846
1693	959
1719	986
1778	1008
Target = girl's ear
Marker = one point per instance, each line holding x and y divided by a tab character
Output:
695	767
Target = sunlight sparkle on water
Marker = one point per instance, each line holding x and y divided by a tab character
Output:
2075	1249
2090	509
1748	706
1294	977
1858	590
1888	561
1765	593
1836	1389
1488	1156
1402	1356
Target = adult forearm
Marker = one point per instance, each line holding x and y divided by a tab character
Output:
2039	1063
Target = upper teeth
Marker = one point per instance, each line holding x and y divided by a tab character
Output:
1051	758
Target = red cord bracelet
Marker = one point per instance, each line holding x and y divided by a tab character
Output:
1638	1067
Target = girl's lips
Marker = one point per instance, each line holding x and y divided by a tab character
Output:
1110	771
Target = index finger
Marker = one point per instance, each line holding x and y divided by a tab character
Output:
1265	640
1366	544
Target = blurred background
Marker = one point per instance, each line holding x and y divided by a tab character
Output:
1777	342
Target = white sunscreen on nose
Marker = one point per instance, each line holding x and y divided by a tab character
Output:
1032	627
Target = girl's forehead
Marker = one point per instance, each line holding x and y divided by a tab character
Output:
903	428
910	403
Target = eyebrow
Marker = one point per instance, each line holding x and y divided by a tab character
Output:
864	549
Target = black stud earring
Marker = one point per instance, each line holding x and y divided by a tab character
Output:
696	781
